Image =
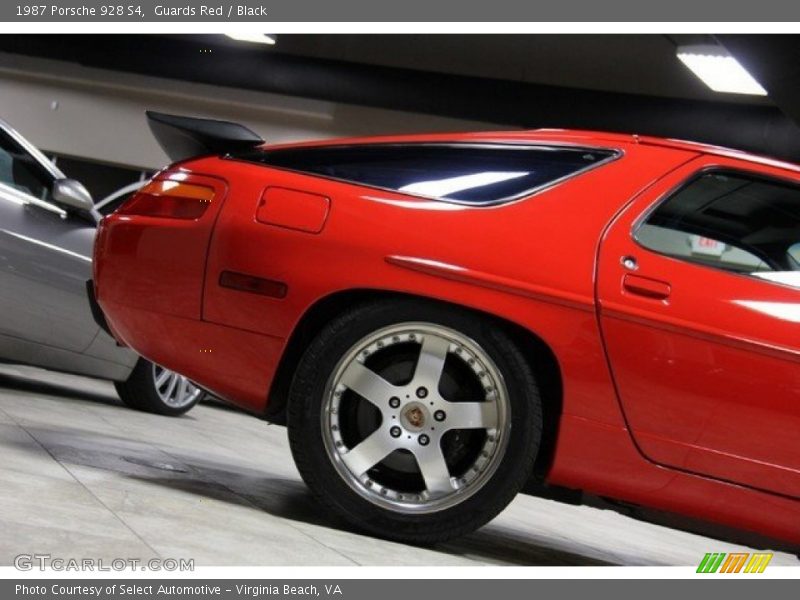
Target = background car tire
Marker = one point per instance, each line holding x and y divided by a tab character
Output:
148	389
353	497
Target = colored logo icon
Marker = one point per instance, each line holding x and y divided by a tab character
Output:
735	562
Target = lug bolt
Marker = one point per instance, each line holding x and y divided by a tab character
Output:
440	415
423	440
394	401
422	392
395	431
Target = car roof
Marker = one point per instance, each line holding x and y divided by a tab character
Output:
720	151
564	136
570	137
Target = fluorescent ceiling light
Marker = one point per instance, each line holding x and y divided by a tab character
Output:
719	70
255	38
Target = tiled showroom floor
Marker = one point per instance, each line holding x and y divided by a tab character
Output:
82	476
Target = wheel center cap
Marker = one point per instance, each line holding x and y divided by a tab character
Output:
414	416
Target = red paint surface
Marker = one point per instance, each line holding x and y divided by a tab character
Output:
293	209
708	383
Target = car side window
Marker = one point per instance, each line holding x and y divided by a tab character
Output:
794	255
19	170
466	173
733	222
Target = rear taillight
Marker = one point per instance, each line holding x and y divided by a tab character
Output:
169	199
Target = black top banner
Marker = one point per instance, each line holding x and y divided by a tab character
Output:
441	11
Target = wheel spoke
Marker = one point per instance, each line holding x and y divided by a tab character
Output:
368	384
173	382
431	361
162	378
369	452
434	470
181	395
471	415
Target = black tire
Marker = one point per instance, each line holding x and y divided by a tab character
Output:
307	441
139	392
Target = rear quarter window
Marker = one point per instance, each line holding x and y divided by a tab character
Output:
464	173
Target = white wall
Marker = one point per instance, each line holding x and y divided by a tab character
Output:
98	114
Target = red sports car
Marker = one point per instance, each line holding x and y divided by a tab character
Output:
439	318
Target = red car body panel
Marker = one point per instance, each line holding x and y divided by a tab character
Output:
665	398
710	383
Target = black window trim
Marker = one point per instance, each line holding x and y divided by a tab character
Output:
614	154
679	187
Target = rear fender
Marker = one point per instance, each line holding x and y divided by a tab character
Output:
163	259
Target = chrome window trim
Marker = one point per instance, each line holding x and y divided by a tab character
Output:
32	150
43	161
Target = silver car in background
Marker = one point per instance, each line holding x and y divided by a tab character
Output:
47	229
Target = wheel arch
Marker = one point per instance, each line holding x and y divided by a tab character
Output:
541	358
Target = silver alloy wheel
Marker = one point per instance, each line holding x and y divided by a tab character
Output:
176	391
415	418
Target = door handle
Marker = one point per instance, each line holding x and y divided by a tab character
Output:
644	286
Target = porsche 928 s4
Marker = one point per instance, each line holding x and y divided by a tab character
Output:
440	318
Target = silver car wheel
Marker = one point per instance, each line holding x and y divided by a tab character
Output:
174	390
419	430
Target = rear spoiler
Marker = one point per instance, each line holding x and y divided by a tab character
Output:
185	137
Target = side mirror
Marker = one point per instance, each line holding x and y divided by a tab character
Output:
71	193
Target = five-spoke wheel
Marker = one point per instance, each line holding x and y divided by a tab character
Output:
435	401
